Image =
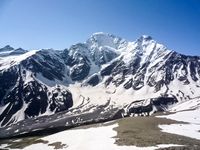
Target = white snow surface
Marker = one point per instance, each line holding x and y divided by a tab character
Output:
95	138
190	129
7	62
99	95
190	116
104	39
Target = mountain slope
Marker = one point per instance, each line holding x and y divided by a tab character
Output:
106	74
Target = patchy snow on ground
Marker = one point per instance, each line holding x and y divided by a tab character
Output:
96	138
190	129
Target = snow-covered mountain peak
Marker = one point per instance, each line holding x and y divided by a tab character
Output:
146	37
18	51
104	71
6	48
146	45
145	40
101	39
10	51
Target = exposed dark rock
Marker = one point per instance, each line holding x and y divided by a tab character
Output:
108	70
144	107
128	84
94	80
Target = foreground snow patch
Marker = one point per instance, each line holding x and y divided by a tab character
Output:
191	129
88	139
190	116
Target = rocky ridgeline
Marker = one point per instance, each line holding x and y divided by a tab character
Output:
35	84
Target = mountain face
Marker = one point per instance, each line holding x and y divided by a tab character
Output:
106	75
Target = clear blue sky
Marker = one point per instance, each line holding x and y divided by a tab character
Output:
35	24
